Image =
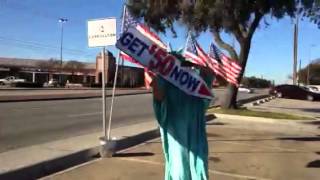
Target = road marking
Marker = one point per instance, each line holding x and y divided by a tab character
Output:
84	114
240	176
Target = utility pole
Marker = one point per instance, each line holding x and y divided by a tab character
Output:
299	73
61	21
295	51
308	74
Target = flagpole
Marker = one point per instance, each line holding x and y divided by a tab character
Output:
115	81
121	30
185	45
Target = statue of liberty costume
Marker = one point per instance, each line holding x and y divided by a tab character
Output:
183	131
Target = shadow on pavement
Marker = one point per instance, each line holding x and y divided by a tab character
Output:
313	122
210	117
140	154
214	159
314	164
301	138
216	123
212	135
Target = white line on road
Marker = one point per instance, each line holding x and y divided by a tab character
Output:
84	114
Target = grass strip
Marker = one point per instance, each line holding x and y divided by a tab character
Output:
264	114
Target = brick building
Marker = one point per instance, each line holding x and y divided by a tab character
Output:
38	71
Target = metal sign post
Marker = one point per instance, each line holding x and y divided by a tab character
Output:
104	107
102	33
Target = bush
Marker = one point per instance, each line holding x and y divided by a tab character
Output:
27	84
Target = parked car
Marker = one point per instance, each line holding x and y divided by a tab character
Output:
10	80
51	83
245	89
294	92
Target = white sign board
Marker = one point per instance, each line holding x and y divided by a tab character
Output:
158	60
102	32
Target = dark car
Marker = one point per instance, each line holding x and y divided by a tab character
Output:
294	92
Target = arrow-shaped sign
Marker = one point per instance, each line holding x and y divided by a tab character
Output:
159	61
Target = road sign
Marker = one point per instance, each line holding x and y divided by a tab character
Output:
102	32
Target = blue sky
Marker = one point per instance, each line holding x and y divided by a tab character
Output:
30	29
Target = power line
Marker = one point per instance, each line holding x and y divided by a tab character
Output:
34	48
41	45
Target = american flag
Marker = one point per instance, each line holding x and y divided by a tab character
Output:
223	65
191	52
130	21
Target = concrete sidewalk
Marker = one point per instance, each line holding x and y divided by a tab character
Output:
31	155
59	94
237	150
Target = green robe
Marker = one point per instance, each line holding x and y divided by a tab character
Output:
183	132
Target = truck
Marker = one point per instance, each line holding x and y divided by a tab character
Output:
10	79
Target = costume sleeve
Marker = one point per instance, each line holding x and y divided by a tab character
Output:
208	79
160	107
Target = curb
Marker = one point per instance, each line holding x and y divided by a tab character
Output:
263	100
64	162
300	124
256	98
255	119
245	101
59	97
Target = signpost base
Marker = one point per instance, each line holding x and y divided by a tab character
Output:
107	147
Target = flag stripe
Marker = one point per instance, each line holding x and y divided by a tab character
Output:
226	67
151	35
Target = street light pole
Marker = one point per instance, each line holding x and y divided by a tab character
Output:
62	21
295	51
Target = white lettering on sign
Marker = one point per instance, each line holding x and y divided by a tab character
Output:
158	60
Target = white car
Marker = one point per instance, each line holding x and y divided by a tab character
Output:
10	79
313	89
244	89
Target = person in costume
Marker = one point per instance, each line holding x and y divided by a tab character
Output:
182	122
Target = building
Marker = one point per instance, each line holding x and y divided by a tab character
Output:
42	70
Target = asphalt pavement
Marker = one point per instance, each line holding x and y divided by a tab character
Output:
28	123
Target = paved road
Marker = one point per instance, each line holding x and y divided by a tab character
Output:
27	123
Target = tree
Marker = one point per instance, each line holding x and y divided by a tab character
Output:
240	19
255	82
50	65
73	66
314	74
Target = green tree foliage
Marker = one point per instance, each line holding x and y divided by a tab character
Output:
73	66
254	82
50	65
240	19
314	74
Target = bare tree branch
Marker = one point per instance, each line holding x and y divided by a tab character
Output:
224	45
243	30
254	24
